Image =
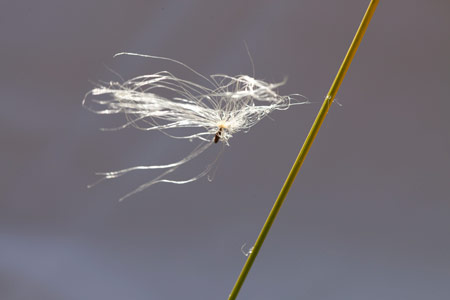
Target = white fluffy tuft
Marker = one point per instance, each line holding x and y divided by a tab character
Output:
229	104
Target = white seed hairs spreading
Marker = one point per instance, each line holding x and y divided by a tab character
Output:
229	105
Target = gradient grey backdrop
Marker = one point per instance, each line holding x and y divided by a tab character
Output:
367	218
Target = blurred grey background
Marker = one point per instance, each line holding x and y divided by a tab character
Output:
367	218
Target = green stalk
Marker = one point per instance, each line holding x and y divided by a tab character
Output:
305	148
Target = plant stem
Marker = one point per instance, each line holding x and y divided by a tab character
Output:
305	148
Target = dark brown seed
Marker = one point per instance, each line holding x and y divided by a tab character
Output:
218	135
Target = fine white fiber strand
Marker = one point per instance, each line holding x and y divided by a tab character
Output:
164	102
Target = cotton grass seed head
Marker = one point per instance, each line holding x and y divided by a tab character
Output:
212	110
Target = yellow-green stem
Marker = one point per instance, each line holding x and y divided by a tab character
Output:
305	148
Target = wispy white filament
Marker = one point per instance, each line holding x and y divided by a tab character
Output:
164	102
